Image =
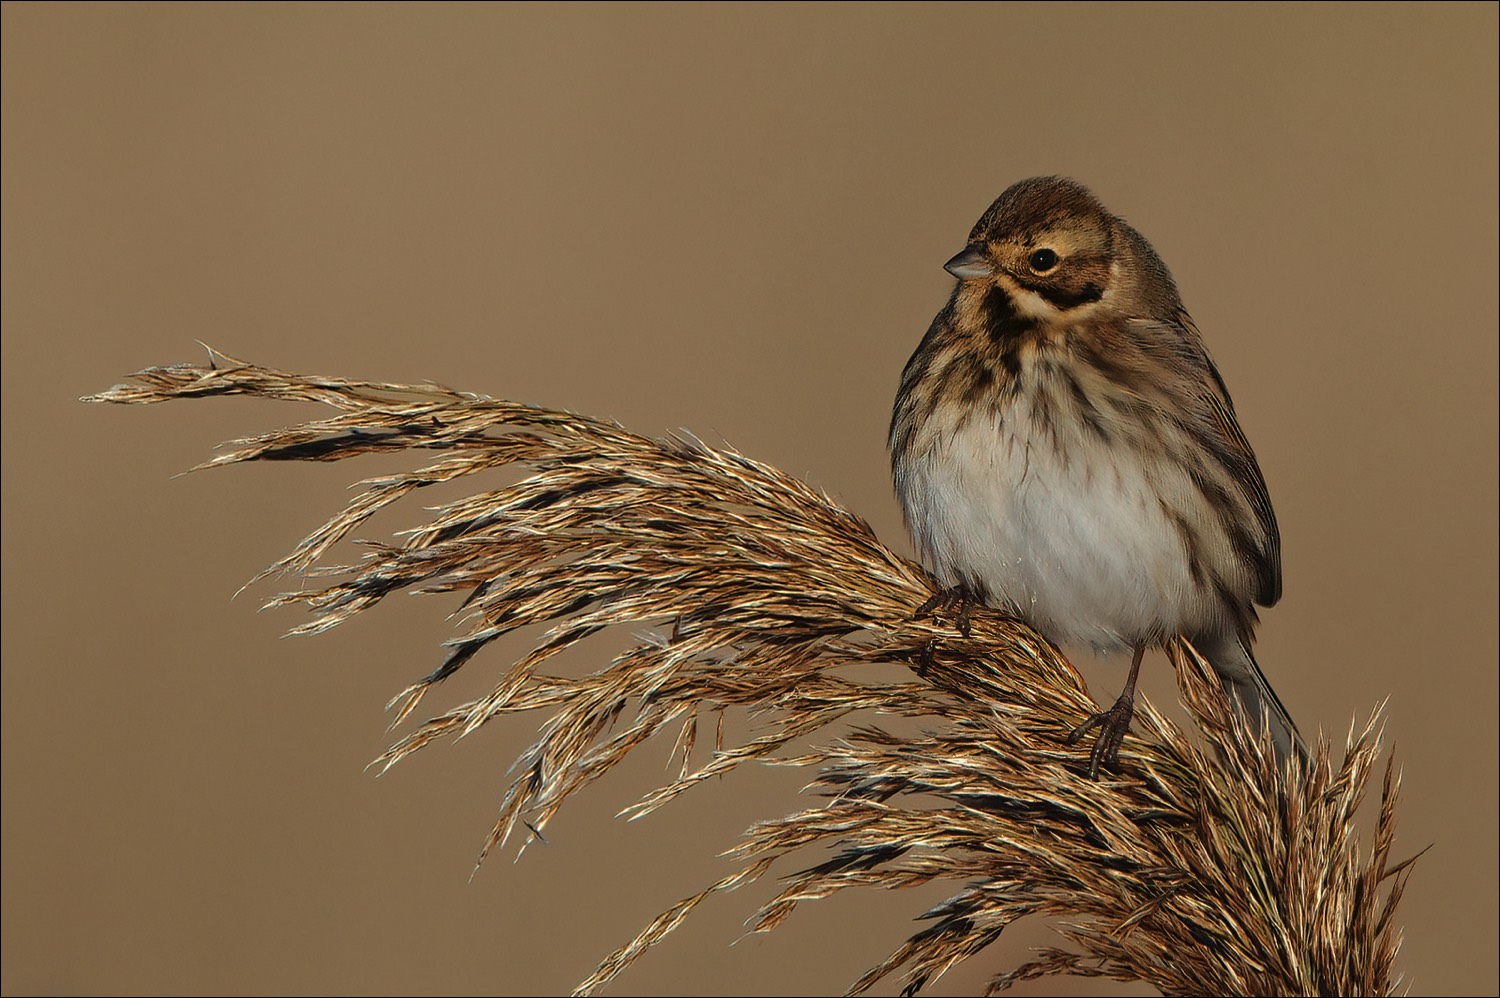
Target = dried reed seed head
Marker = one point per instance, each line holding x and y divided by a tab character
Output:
1204	868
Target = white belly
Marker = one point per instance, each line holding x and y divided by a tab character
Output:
1079	548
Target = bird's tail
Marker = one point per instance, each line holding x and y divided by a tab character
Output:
1244	681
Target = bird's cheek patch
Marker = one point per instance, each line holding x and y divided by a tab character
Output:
1027	302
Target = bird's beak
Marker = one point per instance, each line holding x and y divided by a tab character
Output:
970	264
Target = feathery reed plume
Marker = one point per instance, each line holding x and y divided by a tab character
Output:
1201	868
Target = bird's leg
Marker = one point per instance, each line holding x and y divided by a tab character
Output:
956	599
1112	723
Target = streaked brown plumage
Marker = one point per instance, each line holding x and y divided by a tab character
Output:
1064	448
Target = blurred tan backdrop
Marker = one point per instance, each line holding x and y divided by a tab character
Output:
731	219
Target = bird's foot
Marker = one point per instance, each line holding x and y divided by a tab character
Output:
1112	725
956	602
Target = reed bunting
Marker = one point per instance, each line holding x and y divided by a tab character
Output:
1064	450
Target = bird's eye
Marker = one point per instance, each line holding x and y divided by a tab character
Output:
1043	260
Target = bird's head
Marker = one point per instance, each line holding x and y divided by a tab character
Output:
1056	253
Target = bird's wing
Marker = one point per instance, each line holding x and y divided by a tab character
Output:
1228	443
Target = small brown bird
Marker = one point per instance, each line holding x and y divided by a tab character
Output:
1065	450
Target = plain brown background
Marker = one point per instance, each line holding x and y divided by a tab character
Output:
730	219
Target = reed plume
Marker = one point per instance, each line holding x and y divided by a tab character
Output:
1202	867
